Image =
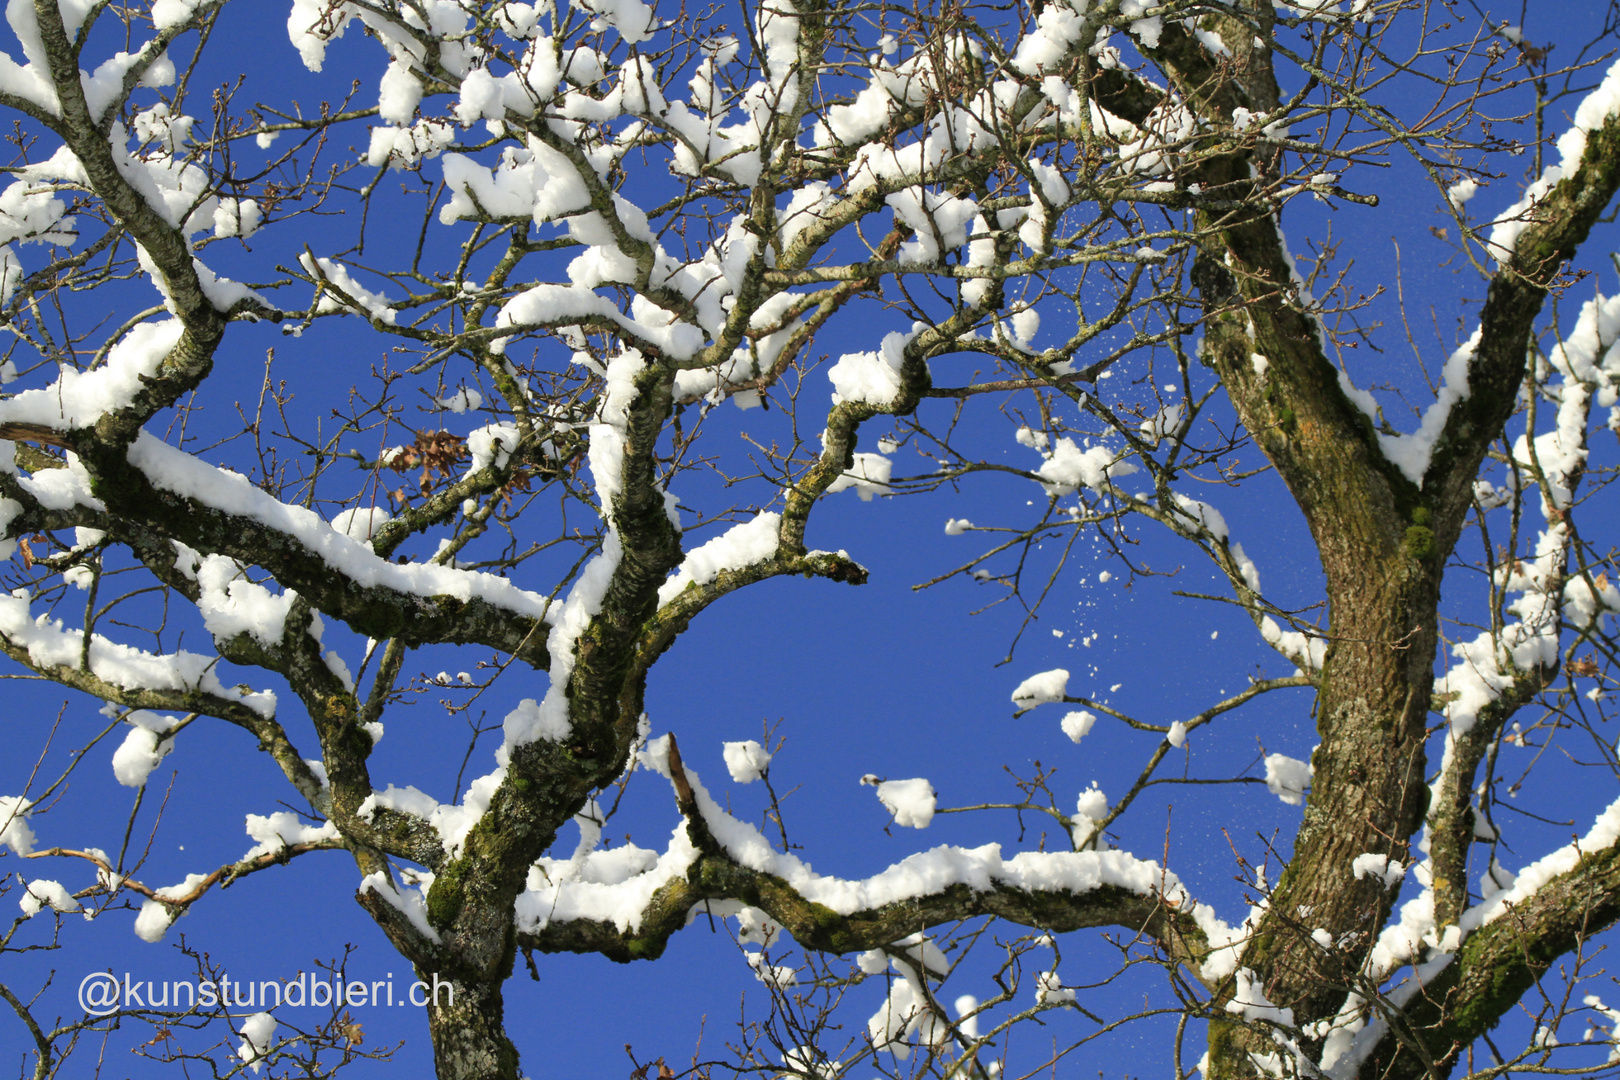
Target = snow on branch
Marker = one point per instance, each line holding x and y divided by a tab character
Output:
249	517
1594	112
609	899
46	645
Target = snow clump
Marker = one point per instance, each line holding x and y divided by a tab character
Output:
747	761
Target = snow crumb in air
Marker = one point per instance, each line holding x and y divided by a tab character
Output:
1076	724
1460	192
746	760
910	801
1105	577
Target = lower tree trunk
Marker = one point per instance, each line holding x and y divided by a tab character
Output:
1368	795
468	1025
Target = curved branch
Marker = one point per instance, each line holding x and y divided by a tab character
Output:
1500	961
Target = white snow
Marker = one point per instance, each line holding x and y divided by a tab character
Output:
1249	1000
1533	878
1411	452
910	801
49	645
869	476
463	400
619	892
15	832
282	829
232	493
409	902
1068	468
1287	778
1077	724
1090	809
258	1035
355	298
548	718
42	893
142	748
1039	689
1371	864
78	399
361	522
740	546
231	604
746	761
1594	111
153	921
873	377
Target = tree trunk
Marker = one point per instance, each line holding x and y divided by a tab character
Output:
468	1025
1368	793
1382	541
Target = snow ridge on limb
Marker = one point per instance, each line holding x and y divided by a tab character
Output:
106	169
1497	673
118	672
1560	219
281	839
1465	974
1529	239
221	512
627	901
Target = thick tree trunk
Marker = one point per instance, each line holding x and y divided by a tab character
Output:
1368	791
1382	542
468	1025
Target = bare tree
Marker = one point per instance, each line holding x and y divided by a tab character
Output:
615	220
